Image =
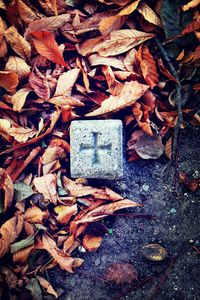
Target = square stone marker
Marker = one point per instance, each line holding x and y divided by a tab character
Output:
96	149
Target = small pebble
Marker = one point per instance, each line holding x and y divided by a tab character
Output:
97	262
173	210
145	187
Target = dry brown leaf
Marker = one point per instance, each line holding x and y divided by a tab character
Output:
21	134
77	189
46	46
66	82
120	41
20	257
51	154
114	86
149	14
66	262
54	118
65	101
148	66
108	23
26	13
104	210
130	93
9	80
91	243
40	84
6	185
190	4
96	60
154	252
3	44
48	23
65	213
17	65
18	43
46	185
2	4
47	286
19	98
9	231
49	6
35	215
190	184
87	46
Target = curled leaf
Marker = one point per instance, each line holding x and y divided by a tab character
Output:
154	252
46	185
91	243
121	273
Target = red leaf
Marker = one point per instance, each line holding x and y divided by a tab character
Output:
46	45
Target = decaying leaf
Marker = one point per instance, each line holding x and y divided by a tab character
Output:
121	273
21	134
154	252
149	14
19	98
190	184
47	286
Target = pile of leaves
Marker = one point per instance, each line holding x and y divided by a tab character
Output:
66	60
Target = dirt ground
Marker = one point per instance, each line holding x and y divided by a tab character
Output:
176	227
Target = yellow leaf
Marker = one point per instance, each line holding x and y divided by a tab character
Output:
4	128
19	98
46	185
120	41
6	185
9	80
2	4
65	213
9	231
18	43
190	4
149	14
17	65
130	93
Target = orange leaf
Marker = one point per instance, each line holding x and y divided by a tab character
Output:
9	231
9	80
148	66
6	185
91	243
21	256
66	262
130	93
26	13
46	46
46	185
49	6
190	4
195	25
168	148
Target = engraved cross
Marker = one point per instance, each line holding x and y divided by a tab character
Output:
95	147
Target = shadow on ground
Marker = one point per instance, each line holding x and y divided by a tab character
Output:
175	227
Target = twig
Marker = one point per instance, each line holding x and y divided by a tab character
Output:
179	100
